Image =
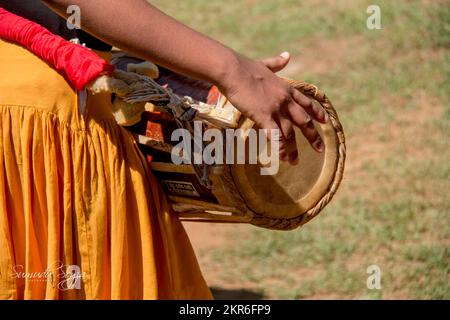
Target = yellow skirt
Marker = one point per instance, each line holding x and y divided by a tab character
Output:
81	216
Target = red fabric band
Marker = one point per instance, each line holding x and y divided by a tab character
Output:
76	63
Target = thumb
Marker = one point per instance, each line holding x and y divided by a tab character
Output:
277	63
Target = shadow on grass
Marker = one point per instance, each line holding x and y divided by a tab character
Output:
236	294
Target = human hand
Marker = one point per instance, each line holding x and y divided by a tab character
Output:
254	89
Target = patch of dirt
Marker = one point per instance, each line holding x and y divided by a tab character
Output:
407	129
407	136
323	56
208	236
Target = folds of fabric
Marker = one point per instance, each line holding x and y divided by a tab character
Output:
76	63
75	193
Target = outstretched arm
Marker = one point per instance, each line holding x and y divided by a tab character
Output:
141	29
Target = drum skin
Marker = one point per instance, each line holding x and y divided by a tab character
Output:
294	189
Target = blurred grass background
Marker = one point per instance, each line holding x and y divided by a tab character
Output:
391	88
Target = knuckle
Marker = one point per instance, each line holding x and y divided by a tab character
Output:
304	119
308	103
287	95
284	95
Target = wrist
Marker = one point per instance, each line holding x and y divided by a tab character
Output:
227	72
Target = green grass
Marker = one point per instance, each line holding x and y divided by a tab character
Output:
263	27
392	91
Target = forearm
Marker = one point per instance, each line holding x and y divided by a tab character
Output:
251	86
141	29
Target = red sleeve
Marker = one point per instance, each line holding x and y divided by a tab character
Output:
77	64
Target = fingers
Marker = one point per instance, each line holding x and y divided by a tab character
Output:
316	112
278	63
312	135
302	120
287	146
296	115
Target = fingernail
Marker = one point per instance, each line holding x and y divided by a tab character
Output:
326	117
318	144
285	55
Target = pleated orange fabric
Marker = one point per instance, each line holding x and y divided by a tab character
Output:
81	216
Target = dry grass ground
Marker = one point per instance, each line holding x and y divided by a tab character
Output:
391	88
